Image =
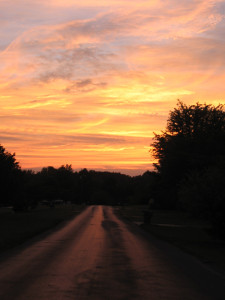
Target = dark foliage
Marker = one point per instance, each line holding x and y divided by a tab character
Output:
9	176
191	162
24	189
194	139
202	194
144	188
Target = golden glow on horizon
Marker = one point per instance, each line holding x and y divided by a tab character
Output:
88	83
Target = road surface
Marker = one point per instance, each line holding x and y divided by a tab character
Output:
96	256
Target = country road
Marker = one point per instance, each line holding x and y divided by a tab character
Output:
96	256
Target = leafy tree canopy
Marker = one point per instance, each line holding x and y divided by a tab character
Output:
9	176
7	161
194	139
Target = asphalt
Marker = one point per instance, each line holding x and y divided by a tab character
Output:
97	256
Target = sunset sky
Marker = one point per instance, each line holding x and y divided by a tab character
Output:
88	82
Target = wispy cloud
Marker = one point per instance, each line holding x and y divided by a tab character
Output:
92	81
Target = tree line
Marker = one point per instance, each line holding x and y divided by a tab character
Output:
25	189
189	173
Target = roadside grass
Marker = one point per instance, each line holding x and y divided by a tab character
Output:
16	228
190	234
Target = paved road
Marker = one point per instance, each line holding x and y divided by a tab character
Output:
96	256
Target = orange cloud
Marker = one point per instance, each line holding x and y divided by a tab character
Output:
89	83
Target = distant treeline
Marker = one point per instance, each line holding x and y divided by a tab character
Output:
190	173
25	189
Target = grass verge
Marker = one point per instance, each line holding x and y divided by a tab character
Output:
16	228
190	234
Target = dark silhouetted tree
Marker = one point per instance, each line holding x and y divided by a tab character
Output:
194	139
9	176
191	162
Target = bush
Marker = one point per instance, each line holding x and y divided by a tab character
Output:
202	193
